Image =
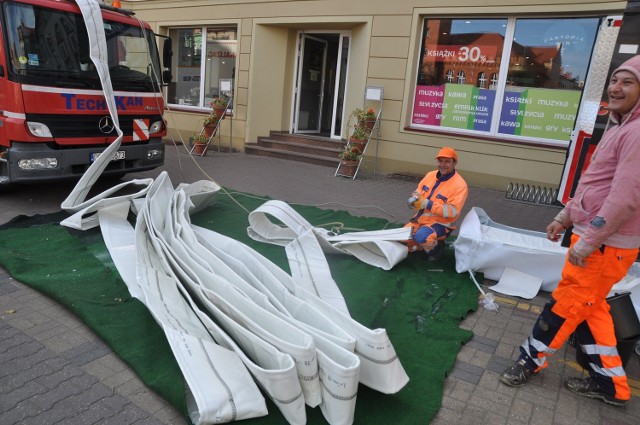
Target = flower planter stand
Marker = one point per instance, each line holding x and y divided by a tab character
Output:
211	129
372	94
200	147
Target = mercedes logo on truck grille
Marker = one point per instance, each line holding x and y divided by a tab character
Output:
105	125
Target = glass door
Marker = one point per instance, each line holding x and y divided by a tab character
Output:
310	88
342	64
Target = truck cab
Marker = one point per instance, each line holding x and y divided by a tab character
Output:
54	119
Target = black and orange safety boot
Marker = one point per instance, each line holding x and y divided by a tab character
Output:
589	388
517	375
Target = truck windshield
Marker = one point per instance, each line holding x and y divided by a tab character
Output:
51	47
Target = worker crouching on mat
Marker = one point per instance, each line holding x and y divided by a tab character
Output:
438	199
605	214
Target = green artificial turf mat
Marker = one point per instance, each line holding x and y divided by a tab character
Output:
419	303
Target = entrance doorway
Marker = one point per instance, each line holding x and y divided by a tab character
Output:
320	83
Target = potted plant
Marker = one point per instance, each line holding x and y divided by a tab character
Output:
210	119
219	105
200	142
349	160
359	136
210	123
364	117
361	133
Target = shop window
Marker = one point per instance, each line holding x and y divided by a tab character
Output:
202	57
538	96
482	80
494	82
450	76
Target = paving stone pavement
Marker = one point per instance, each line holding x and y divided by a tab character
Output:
54	370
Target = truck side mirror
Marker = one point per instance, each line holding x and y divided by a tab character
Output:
166	76
167	55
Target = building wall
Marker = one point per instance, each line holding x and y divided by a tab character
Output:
386	39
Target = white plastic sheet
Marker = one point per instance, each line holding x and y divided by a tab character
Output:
488	247
514	282
530	261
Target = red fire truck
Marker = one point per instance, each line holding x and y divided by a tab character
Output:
54	119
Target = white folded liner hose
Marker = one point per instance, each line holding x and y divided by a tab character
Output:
260	322
309	269
339	366
221	388
157	263
246	292
306	316
380	248
282	385
380	368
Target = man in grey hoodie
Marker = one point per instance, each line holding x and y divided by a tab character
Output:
605	215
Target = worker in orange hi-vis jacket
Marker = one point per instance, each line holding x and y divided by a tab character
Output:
438	200
605	215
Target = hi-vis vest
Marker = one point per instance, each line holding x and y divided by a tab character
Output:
446	195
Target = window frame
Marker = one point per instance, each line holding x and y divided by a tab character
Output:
204	29
494	82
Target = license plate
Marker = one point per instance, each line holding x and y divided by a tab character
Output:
116	156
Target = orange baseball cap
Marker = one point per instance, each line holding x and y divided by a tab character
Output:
447	152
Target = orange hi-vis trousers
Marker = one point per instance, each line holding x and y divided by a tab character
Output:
425	236
579	304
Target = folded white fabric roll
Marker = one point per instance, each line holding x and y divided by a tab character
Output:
380	367
229	313
380	248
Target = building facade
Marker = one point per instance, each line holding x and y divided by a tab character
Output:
501	82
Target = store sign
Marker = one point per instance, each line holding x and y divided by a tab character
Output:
539	113
455	106
449	53
545	113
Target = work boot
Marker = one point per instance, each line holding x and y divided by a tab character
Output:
436	253
589	388
517	375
